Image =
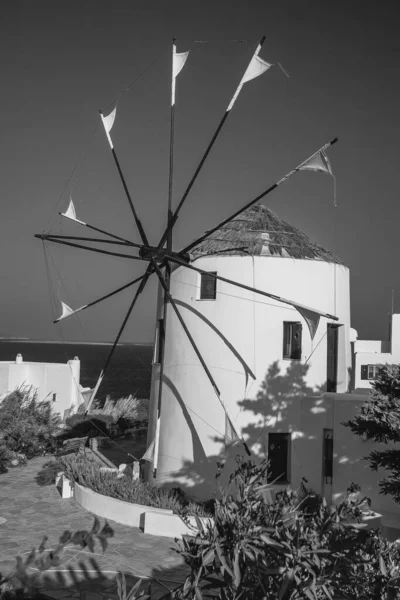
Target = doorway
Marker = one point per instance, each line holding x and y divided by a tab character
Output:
332	358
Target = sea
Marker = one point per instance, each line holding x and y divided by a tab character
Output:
129	371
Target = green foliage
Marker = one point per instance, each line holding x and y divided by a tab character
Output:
80	425
47	474
135	591
29	570
87	473
293	548
131	409
378	419
27	427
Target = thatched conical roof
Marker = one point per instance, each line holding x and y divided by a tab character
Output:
259	232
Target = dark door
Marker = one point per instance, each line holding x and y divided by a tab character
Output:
278	455
332	358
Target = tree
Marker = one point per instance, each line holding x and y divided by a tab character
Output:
378	419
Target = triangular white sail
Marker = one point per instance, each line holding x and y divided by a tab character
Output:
231	435
311	318
70	213
67	311
318	162
257	67
108	122
178	61
149	454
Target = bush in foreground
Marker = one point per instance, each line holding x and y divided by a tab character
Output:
378	419
293	548
27	426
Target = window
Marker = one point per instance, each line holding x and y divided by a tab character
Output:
278	456
160	334
208	286
292	340
327	469
370	371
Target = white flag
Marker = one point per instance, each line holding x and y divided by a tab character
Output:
70	213
257	67
311	318
66	311
149	454
178	61
108	122
318	162
231	435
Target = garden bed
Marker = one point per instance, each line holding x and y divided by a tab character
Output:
125	513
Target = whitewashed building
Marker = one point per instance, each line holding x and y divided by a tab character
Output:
57	382
369	355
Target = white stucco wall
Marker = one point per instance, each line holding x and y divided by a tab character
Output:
376	352
238	332
306	421
46	378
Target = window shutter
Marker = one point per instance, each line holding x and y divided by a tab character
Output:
364	371
286	340
208	286
296	343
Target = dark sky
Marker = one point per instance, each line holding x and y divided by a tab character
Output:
62	61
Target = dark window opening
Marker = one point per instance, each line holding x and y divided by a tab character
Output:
292	340
332	357
370	372
278	457
159	341
328	456
54	397
208	286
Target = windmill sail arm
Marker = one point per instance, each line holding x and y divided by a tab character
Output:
67	314
256	199
174	217
72	216
257	291
107	127
144	278
195	347
90	239
51	238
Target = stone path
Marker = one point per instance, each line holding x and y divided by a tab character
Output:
28	512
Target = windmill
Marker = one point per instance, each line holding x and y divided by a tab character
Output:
160	259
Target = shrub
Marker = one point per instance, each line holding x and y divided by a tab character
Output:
255	549
132	409
47	474
27	425
81	425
